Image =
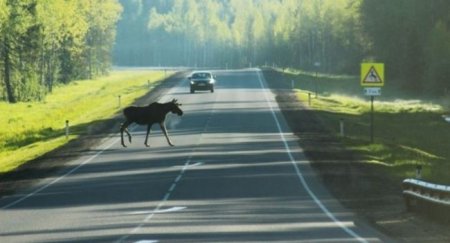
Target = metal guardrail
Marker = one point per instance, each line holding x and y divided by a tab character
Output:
429	197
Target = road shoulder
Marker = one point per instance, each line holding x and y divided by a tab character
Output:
366	189
57	160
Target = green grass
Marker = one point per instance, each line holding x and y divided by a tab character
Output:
323	83
348	85
407	133
30	130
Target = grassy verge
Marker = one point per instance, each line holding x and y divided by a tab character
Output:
348	85
30	130
407	133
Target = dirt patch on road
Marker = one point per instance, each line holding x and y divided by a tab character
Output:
367	189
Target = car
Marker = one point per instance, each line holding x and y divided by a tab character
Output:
202	80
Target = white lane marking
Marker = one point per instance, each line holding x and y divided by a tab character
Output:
178	178
160	204
59	178
196	164
190	166
186	165
172	187
299	174
133	127
167	210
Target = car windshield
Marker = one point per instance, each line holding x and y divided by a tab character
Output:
201	75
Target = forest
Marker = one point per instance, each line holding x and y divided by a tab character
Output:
51	42
412	37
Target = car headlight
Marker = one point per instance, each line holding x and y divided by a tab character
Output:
192	82
211	81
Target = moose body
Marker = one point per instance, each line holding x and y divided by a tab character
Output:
148	115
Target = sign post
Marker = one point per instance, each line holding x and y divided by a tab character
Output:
371	118
372	79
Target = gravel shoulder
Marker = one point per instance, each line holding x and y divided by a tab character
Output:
366	189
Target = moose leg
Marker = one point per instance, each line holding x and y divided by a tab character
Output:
149	126
123	128
163	128
128	133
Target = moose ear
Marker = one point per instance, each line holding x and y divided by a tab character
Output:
174	101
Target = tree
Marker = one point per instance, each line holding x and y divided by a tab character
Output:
19	28
405	35
101	17
339	34
48	41
437	59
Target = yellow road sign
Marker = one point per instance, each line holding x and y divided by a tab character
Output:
372	74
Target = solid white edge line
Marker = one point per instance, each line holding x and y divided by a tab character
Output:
65	174
59	178
298	172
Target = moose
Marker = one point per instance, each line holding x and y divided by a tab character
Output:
148	115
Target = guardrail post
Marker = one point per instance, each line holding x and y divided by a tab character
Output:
427	198
341	127
292	84
408	204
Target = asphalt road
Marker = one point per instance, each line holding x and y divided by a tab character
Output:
236	174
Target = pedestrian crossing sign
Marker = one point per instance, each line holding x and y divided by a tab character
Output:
372	74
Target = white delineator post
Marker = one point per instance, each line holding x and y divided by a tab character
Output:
341	127
67	129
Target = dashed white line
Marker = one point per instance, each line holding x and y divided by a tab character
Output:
160	204
186	166
172	187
